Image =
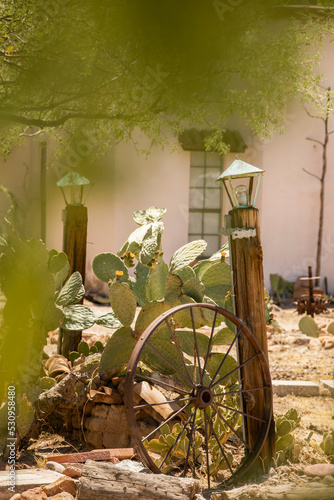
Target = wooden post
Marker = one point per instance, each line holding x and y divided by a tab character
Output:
248	290
74	245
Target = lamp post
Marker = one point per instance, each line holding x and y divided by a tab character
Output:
242	227
75	219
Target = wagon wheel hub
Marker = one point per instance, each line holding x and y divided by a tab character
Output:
203	397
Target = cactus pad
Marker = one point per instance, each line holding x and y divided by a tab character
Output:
117	351
148	314
186	254
156	282
330	328
194	288
152	214
138	286
105	266
123	302
187	342
183	318
217	281
308	326
77	317
185	273
72	292
214	360
173	289
108	320
223	337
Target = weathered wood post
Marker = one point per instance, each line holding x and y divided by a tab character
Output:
75	218
242	226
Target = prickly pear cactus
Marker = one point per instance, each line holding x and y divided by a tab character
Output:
72	292
286	446
308	326
327	444
173	289
123	302
330	328
217	282
194	288
138	286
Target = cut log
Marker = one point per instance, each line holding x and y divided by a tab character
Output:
282	492
120	453
107	482
153	396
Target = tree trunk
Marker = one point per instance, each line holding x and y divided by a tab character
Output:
248	290
107	482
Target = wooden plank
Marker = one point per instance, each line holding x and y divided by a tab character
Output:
105	455
280	492
153	396
107	482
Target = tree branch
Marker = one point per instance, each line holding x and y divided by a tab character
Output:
313	175
313	116
315	140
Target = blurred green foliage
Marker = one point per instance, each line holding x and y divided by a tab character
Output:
110	66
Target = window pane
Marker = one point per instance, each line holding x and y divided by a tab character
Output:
211	175
211	223
197	159
194	237
212	198
195	223
196	198
197	177
213	160
213	245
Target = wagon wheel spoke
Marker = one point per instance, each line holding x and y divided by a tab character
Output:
171	364
210	341
189	446
240	391
207	447
151	405
239	411
163	384
230	427
165	422
237	368
179	351
196	351
177	439
224	358
220	446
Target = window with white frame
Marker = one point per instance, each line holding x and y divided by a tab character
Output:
205	200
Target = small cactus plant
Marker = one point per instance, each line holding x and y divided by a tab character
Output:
308	326
286	446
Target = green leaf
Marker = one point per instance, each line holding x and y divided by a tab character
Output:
186	255
77	317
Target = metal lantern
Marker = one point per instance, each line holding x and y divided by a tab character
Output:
76	183
241	196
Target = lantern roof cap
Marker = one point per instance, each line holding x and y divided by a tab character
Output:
238	169
73	179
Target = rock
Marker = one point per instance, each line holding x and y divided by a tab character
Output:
17	496
34	494
72	471
64	495
328	480
302	340
328	344
66	484
55	466
272	472
320	470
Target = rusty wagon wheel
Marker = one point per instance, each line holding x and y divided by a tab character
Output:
189	406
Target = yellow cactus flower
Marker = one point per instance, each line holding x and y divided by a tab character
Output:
119	273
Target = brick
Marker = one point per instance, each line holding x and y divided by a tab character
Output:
295	387
104	455
64	483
